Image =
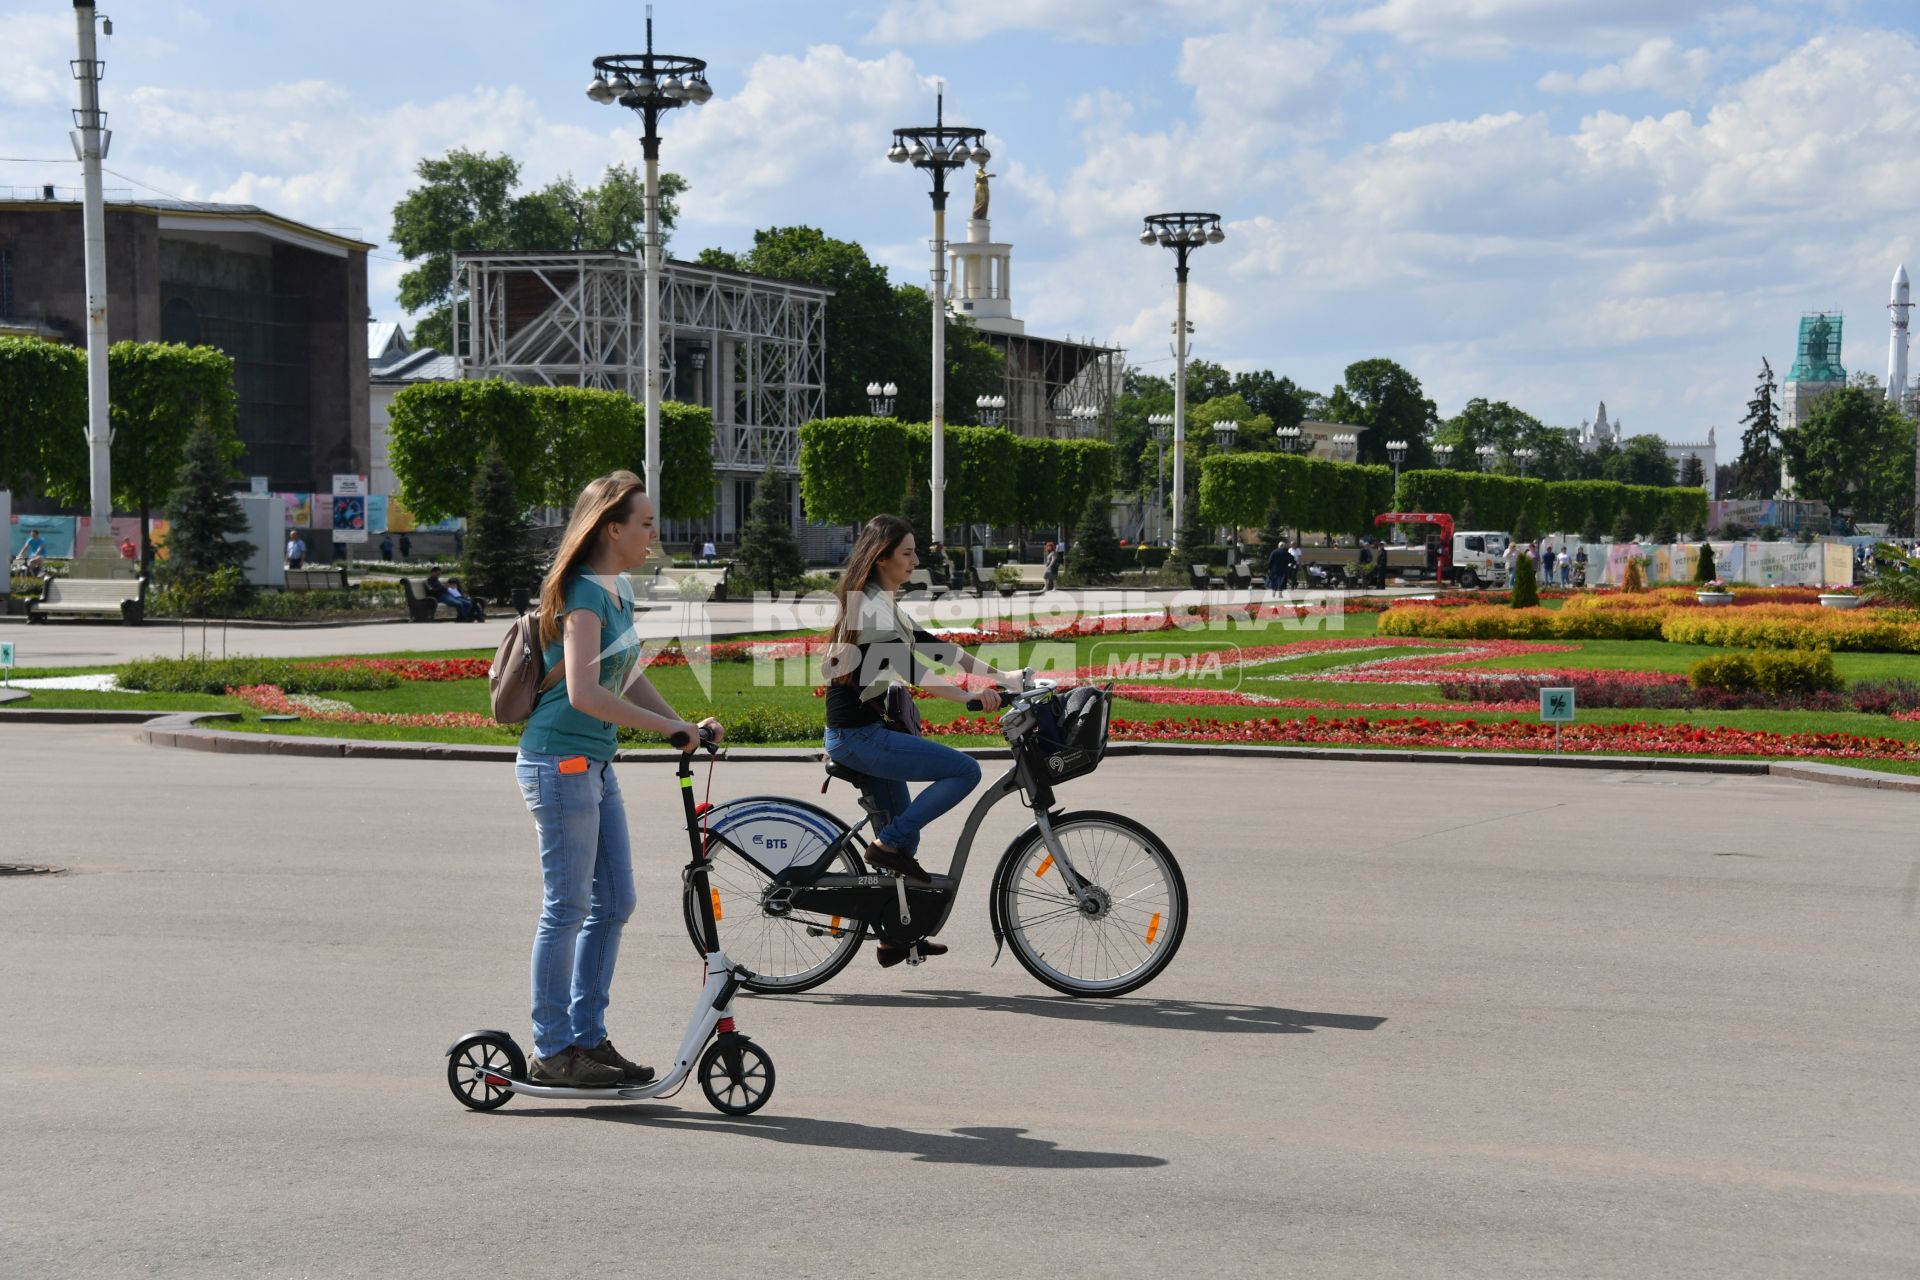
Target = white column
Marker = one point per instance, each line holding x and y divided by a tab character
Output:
90	141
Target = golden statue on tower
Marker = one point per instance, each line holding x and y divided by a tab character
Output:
980	177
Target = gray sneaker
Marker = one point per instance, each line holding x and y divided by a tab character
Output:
608	1056
573	1069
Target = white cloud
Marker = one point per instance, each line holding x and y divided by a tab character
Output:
1494	27
38	47
1657	66
912	22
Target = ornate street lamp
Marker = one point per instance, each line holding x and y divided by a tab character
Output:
993	410
1346	444
939	148
1523	456
1397	450
880	399
651	84
1182	233
1290	439
1162	426
1487	454
1086	421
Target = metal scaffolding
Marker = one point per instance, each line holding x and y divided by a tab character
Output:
1046	379
751	348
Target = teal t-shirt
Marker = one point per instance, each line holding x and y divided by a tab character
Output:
556	728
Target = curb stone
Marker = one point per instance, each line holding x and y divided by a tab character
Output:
182	729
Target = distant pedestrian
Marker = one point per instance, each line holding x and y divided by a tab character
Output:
1277	561
709	553
296	553
1052	566
406	547
1566	567
129	549
386	548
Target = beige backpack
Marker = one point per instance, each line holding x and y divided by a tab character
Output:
519	675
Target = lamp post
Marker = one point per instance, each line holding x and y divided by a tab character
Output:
651	84
993	410
91	139
1445	453
1487	454
939	148
1224	432
880	399
1086	421
1345	445
1397	450
1523	456
1182	233
1162	425
1289	438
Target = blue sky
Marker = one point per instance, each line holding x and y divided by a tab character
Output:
1552	202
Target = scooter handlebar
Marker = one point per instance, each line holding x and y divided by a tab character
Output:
679	740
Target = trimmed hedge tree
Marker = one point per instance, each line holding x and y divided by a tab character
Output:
552	439
852	469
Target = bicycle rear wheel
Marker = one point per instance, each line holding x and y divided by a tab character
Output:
786	950
1116	943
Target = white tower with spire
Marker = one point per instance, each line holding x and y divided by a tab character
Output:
1901	304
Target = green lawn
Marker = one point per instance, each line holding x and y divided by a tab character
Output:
785	686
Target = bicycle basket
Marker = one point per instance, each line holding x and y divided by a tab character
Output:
1070	734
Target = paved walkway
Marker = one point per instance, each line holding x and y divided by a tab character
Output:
1429	1021
72	644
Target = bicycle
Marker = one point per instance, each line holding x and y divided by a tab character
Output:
793	896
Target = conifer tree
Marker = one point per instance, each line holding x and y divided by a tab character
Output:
204	513
1095	554
499	554
1758	470
1667	531
1526	586
768	554
1623	530
1704	569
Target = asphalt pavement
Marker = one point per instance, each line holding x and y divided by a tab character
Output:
1427	1021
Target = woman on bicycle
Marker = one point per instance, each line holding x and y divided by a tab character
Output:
565	770
871	647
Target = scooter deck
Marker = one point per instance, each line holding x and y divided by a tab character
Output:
617	1092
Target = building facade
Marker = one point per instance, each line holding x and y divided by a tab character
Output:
1590	435
287	302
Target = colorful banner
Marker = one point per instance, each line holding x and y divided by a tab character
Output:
1766	564
377	512
299	509
398	518
57	532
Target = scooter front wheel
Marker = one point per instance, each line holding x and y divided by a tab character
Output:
736	1075
476	1063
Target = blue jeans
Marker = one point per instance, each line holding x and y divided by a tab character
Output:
586	865
900	758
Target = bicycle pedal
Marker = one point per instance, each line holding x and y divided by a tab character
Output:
914	958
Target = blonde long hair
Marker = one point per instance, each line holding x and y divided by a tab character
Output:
880	538
602	502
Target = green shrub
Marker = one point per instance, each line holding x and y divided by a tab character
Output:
1526	586
1773	672
217	675
753	723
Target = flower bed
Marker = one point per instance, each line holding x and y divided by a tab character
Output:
1501	735
1488	622
273	700
410	669
1791	626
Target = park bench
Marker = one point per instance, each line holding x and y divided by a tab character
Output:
122	598
1032	579
922	580
1239	576
1199	579
668	581
317	579
421	607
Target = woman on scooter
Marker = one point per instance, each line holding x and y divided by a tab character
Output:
565	770
873	645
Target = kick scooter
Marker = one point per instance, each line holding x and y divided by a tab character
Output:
485	1068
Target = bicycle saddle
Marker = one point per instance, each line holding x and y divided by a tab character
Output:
847	774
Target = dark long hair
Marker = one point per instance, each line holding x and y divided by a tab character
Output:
879	538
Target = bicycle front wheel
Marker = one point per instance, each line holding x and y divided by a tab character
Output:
1122	936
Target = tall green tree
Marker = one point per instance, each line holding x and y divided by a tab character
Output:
1389	403
499	552
1094	557
1757	473
1495	422
1279	399
204	514
1642	460
1693	472
468	201
1854	452
768	554
43	428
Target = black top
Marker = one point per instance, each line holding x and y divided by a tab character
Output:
885	644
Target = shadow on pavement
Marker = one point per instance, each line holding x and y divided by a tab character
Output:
974	1144
1175	1015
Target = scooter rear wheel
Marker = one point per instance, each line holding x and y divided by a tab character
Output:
473	1060
736	1075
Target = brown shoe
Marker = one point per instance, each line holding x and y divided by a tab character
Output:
573	1069
608	1056
889	955
897	862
